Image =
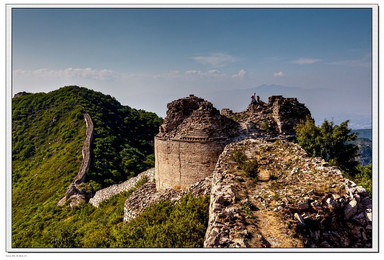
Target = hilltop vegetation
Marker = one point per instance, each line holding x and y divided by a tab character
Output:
338	145
123	137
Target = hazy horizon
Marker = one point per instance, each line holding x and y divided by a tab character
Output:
146	58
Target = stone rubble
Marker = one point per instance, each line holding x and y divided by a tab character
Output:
324	208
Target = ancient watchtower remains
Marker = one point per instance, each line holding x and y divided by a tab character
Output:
189	142
194	134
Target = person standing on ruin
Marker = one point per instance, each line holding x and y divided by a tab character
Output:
253	100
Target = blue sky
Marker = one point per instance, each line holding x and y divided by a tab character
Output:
149	57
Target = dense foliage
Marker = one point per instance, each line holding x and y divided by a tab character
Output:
123	137
165	225
161	225
364	177
48	131
329	141
336	144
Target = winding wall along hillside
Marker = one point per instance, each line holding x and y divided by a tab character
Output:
73	193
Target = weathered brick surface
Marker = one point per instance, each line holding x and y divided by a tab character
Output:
180	163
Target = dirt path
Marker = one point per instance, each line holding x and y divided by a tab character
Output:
267	225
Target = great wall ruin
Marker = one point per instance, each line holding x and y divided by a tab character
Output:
189	142
73	194
297	200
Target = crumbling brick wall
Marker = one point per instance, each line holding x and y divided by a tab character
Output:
180	163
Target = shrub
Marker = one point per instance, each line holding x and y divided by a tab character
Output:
329	141
364	178
250	168
239	156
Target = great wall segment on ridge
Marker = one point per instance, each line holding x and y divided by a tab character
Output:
296	201
73	193
196	142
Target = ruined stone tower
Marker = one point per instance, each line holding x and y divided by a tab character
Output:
189	142
194	134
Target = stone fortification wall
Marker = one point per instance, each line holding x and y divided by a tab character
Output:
104	194
180	163
86	152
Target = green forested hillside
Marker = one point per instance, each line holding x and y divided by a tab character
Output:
48	131
51	125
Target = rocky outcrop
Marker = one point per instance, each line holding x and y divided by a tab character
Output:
300	202
21	94
107	193
74	189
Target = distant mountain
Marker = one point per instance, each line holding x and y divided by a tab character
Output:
365	150
364	142
364	133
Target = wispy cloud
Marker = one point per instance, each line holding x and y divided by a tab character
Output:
216	60
241	74
278	74
305	61
210	73
85	73
362	62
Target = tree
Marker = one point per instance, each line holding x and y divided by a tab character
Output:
329	141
